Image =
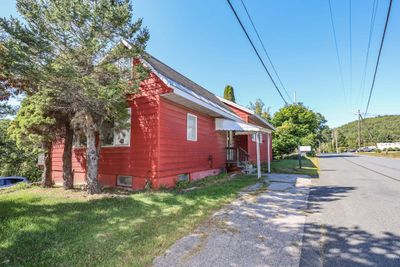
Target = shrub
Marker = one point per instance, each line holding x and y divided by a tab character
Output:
311	154
182	184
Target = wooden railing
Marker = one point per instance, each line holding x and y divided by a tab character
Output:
236	155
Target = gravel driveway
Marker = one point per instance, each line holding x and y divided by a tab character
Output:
261	228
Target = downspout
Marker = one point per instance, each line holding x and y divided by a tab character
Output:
258	155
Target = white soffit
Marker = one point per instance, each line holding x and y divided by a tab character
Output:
230	125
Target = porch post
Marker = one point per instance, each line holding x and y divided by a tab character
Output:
258	155
268	151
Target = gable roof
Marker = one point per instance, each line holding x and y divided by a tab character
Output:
180	79
252	114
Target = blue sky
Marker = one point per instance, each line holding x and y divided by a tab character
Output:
202	40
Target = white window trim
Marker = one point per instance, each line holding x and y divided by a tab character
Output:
189	115
130	133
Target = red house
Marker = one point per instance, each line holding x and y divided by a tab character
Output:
178	131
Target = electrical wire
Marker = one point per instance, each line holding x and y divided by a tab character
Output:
379	56
337	51
255	50
371	29
265	50
351	54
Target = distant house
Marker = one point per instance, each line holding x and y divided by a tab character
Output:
178	131
384	146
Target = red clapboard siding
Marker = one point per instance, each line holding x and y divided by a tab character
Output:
177	155
242	114
140	158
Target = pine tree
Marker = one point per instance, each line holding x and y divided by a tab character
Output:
74	49
229	93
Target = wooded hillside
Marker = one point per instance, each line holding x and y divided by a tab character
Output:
373	130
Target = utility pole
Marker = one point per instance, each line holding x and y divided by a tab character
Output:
294	97
337	149
359	130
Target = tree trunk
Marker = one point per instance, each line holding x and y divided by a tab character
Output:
46	174
67	157
92	158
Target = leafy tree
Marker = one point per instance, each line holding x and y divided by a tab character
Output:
36	126
15	161
259	108
73	48
229	93
373	130
295	125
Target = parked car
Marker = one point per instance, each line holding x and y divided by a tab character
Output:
365	149
11	181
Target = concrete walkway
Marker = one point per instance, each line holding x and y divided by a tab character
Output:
261	228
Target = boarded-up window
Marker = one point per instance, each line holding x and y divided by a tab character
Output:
123	180
191	127
183	177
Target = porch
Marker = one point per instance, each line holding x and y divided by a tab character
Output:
238	143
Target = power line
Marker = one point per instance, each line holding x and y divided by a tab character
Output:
265	50
337	50
351	55
255	50
379	55
371	29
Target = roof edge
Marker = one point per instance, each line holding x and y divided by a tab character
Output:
251	112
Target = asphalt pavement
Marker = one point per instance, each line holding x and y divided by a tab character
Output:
354	213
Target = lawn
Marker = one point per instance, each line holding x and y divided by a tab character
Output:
390	154
53	227
309	166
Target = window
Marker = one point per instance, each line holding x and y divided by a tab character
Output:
123	180
183	177
79	139
125	65
191	130
116	135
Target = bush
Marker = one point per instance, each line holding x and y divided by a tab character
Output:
311	154
182	184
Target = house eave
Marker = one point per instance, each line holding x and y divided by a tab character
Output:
181	92
249	111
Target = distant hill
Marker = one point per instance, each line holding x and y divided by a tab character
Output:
381	129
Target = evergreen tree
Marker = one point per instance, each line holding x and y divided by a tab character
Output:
229	93
74	50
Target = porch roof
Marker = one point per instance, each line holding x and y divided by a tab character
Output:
239	127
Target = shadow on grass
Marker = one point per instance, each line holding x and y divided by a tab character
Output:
46	231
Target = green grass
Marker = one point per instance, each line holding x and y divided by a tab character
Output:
53	227
291	166
390	154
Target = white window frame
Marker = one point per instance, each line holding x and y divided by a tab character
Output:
124	185
190	138
115	132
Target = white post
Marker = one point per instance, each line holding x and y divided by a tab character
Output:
268	151
258	155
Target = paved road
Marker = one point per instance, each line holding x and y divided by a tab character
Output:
354	213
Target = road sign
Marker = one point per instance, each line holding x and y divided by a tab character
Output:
305	148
